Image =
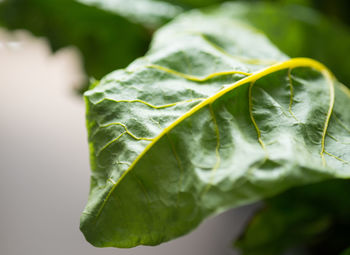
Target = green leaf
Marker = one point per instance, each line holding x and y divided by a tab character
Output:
346	252
149	13
314	218
213	117
298	31
110	34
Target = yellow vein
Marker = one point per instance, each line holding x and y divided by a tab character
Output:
333	156
250	101
345	89
111	181
117	138
109	143
150	105
195	78
291	63
291	87
330	81
126	131
123	163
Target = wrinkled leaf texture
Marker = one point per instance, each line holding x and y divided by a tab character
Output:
298	31
213	117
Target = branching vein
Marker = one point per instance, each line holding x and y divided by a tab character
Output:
292	63
250	98
119	136
196	78
337	158
150	105
291	87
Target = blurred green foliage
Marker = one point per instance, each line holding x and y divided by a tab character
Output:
106	41
346	252
110	36
334	9
313	219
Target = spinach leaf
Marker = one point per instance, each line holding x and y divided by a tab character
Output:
213	117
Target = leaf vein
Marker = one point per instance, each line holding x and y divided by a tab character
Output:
295	62
150	105
291	100
196	78
250	101
333	156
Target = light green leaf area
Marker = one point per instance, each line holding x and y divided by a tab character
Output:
213	117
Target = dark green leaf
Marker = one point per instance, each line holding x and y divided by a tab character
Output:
149	13
213	117
314	218
107	41
346	252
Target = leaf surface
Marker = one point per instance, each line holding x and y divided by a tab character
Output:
297	31
213	117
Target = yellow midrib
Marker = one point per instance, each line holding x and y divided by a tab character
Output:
291	63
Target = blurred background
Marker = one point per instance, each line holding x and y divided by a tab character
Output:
49	50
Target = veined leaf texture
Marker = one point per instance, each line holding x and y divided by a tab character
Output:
214	116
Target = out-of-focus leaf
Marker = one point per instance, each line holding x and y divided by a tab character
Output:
195	3
346	252
314	218
299	32
213	117
107	41
149	13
